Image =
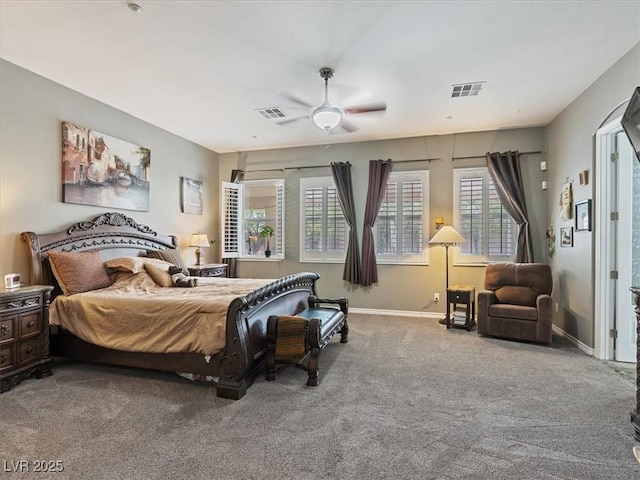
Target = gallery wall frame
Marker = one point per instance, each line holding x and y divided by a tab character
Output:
192	196
566	237
583	216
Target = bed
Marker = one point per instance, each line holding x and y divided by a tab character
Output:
116	236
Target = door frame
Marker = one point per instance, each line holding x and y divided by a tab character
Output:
604	285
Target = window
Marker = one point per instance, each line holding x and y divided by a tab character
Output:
401	230
247	208
323	228
481	219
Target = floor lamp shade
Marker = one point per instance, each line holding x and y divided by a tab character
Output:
199	240
447	237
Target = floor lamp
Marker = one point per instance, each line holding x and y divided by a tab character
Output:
447	237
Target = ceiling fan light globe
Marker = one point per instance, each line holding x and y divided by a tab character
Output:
326	117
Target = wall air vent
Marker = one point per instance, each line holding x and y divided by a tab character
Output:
271	112
467	89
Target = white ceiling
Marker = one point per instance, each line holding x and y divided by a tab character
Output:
201	68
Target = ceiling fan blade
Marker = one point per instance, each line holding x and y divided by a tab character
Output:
290	120
347	126
297	100
372	107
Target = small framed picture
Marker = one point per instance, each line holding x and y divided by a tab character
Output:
192	196
583	216
566	237
584	177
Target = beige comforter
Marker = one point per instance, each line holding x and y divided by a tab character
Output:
136	315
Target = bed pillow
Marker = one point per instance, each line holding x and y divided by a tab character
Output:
126	264
160	273
172	256
78	272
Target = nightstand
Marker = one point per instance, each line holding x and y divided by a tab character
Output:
465	295
24	334
208	270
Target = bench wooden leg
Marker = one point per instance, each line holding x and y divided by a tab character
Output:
344	332
312	367
272	325
272	371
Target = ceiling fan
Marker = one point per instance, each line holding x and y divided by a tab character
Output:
328	116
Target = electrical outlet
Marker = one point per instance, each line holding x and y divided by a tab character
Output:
436	297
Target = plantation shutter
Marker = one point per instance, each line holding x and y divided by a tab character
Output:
313	219
387	221
336	224
231	208
279	219
471	215
500	227
412	207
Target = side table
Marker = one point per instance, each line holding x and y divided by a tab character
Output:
208	270
24	334
462	294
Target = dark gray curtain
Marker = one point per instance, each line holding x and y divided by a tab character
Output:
378	175
505	172
342	177
237	176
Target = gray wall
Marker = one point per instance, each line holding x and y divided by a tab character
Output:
408	288
571	149
31	116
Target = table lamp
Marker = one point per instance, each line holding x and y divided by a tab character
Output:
200	241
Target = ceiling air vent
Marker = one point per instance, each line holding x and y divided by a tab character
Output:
467	89
271	112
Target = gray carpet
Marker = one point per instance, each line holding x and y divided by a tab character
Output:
405	399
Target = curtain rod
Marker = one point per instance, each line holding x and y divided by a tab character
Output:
484	156
304	167
265	170
417	160
286	168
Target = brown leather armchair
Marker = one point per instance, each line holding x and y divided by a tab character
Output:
516	302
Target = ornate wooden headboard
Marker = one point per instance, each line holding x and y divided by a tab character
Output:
114	234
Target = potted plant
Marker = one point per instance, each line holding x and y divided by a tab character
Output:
267	232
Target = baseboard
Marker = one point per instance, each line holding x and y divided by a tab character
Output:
573	340
396	313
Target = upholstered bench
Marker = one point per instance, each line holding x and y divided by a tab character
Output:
294	338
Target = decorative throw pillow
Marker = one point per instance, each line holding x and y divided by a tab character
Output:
517	295
172	256
78	272
126	264
160	273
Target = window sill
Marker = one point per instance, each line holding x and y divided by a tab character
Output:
260	259
337	262
407	263
473	264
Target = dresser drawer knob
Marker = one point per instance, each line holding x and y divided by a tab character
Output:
29	350
3	357
3	329
31	324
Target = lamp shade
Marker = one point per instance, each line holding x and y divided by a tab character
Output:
199	240
326	116
447	235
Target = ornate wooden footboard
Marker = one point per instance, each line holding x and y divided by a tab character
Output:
115	235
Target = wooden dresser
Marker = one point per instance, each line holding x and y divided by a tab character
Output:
24	334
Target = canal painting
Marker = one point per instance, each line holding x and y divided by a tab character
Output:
101	170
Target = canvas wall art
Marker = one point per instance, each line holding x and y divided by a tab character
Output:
192	196
101	170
